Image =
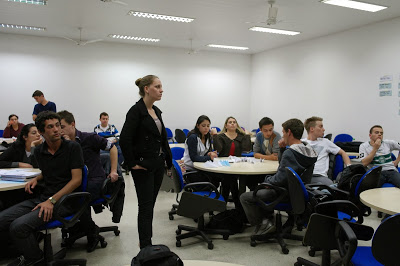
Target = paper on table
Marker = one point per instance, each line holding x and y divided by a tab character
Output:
18	173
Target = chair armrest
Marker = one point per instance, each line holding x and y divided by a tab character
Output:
84	203
211	187
346	240
335	192
282	193
345	206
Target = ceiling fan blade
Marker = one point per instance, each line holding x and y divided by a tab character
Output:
119	2
69	39
91	41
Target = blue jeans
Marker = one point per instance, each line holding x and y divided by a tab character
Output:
390	176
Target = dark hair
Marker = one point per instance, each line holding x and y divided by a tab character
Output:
370	131
37	93
311	122
42	117
67	116
196	131
265	121
143	82
103	114
24	133
295	126
9	117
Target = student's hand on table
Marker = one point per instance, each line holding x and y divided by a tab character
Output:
30	185
213	155
46	210
24	165
138	167
113	176
282	143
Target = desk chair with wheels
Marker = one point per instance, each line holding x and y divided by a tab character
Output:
170	136
385	245
64	223
186	131
323	231
343	138
293	200
177	153
194	204
180	136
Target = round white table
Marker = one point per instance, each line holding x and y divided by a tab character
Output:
11	185
385	200
181	145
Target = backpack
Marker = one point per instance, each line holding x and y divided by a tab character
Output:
156	255
229	219
350	177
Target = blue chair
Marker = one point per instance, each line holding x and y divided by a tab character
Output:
248	154
1	133
186	131
170	136
177	153
296	205
217	128
383	251
343	138
65	222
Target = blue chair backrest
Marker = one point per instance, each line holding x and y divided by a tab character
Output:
217	128
169	133
186	131
1	133
178	173
369	180
177	153
343	138
297	191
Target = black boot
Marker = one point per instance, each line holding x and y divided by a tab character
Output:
93	239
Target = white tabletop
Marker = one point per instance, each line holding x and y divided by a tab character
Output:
11	185
182	145
242	168
385	200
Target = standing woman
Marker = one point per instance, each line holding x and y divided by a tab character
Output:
232	140
13	127
144	144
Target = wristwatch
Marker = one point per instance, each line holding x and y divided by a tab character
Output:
52	200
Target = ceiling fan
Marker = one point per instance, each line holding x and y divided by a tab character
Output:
272	14
80	42
115	2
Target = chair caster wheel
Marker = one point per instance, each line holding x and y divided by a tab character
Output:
285	251
171	217
210	245
297	264
117	232
311	253
225	237
178	243
178	231
103	244
379	214
253	243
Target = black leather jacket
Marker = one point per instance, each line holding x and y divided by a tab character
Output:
140	139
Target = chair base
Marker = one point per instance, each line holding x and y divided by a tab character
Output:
68	240
58	258
172	212
326	260
195	231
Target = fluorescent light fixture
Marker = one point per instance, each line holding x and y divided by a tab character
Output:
276	31
355	5
227	47
158	16
34	2
126	37
20	27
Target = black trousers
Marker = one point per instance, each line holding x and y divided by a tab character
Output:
147	185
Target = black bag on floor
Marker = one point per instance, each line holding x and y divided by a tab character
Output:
156	255
229	219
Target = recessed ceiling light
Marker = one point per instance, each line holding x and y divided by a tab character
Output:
20	27
355	5
227	47
276	31
34	2
158	16
126	37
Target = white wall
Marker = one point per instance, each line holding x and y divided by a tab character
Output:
87	80
335	77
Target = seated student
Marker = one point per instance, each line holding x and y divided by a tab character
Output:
91	144
298	156
198	149
20	153
324	147
377	151
13	127
266	144
232	140
61	163
110	132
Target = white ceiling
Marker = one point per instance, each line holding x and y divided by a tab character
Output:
216	21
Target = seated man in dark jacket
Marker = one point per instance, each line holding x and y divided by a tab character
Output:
298	156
